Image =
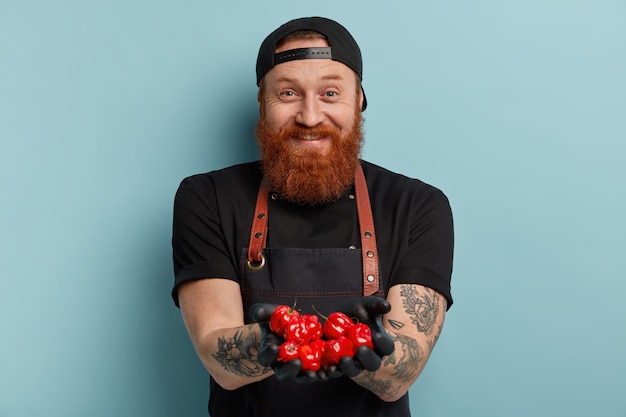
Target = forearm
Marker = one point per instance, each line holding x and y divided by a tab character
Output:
230	356
213	314
414	324
398	370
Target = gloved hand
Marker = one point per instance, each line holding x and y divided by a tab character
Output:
268	350
368	310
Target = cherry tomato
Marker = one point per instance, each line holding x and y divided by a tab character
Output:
298	331
338	348
314	326
288	351
360	335
281	317
336	325
311	357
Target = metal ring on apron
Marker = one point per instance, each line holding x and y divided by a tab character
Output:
256	265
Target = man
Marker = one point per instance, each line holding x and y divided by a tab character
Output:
311	224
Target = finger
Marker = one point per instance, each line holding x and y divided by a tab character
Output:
271	338
376	305
306	377
356	310
349	367
268	354
322	375
383	343
261	312
368	358
334	371
288	370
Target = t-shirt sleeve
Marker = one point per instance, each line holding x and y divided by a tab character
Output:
198	245
428	260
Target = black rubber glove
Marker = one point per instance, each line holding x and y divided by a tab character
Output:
261	313
368	310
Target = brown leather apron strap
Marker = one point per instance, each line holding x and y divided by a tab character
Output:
368	235
258	232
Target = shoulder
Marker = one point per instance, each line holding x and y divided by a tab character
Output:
386	185
234	177
233	173
223	187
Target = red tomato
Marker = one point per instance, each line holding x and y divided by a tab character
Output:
314	325
336	325
360	335
281	317
288	351
338	348
311	357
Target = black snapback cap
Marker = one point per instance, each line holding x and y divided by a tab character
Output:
343	48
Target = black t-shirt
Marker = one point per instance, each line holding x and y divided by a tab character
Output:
213	215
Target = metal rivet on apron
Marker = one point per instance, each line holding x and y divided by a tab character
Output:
261	215
368	234
351	196
370	278
274	196
256	266
258	235
351	247
370	254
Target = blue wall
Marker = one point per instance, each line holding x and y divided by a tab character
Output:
516	109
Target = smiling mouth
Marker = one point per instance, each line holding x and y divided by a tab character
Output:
309	137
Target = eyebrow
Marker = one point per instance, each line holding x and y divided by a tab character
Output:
285	79
331	77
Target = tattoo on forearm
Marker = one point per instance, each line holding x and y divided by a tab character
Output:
433	341
238	354
378	386
399	369
406	363
422	307
406	360
397	325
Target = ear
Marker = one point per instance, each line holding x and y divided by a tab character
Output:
361	99
261	92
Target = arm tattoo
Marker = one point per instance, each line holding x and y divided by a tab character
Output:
238	354
405	363
378	386
423	307
433	341
406	360
397	325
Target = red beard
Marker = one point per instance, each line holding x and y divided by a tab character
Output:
305	176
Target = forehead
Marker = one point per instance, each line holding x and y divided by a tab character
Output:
309	68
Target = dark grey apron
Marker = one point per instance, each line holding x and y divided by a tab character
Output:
320	279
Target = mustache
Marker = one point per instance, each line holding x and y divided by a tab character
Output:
317	131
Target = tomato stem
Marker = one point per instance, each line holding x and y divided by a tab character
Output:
318	313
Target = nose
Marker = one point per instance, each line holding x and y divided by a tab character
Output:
310	112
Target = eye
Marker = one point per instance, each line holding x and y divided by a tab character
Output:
288	95
331	94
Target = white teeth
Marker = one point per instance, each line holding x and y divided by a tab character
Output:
308	137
